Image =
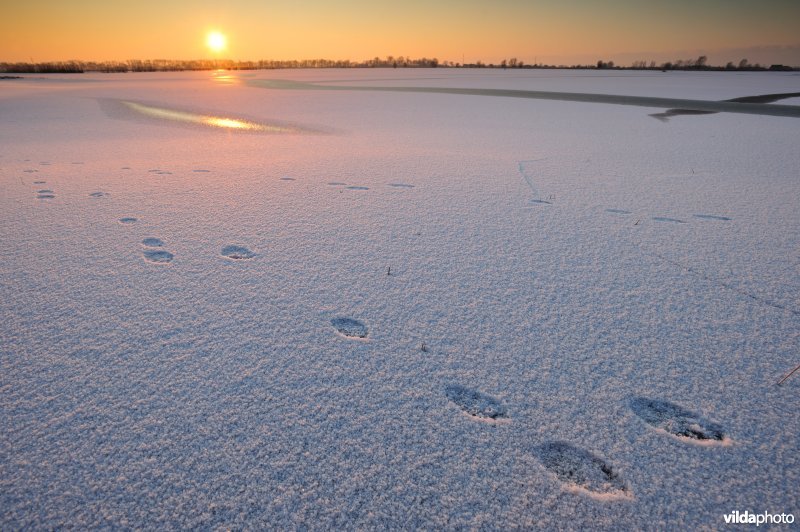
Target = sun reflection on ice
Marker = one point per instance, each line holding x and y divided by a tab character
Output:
208	120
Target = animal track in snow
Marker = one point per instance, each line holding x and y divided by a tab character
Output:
128	220
30	171
287	179
669	220
45	194
618	211
99	194
40	182
712	217
337	184
357	188
677	421
200	170
579	469
237	252
476	404
401	185
158	256
350	327
540	201
152	242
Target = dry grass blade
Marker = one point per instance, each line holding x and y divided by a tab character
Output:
788	375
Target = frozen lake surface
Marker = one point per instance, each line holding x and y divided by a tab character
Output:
328	299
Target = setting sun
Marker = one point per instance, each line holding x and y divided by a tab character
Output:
215	41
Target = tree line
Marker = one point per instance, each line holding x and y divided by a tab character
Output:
701	63
167	65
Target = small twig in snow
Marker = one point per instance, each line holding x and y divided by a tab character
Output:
788	375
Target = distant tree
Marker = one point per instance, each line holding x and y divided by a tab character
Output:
743	64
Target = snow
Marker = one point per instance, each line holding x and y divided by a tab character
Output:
311	324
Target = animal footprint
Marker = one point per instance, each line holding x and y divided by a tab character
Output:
581	470
287	179
155	255
45	194
128	220
670	220
541	202
337	184
357	188
618	211
99	194
200	170
158	256
237	253
39	182
350	328
712	217
677	421
152	242
475	403
400	185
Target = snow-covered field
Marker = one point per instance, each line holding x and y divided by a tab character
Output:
228	302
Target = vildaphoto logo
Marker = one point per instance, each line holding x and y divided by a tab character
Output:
765	518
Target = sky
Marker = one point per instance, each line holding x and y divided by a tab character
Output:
545	31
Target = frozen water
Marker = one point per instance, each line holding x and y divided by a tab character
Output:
550	348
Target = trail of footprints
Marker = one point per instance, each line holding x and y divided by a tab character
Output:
621	212
154	252
576	468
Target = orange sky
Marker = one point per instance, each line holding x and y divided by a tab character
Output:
551	31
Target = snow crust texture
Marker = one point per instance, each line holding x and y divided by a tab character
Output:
242	301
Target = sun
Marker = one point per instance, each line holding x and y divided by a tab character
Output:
216	41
